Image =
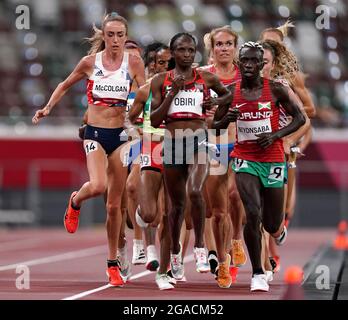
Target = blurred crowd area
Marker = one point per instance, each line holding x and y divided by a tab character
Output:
34	61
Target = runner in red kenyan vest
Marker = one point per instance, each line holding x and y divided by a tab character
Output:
256	117
183	106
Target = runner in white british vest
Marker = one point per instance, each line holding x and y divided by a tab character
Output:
109	71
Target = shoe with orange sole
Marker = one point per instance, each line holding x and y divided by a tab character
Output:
71	217
239	257
233	272
114	275
224	278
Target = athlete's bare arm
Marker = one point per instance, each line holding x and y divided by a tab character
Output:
281	96
223	115
159	106
212	81
291	139
135	110
82	70
307	138
140	99
137	69
303	93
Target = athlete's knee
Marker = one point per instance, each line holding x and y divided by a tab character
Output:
177	209
233	195
218	214
272	228
131	189
97	188
113	208
196	196
148	214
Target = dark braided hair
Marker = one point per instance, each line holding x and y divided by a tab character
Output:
179	35
252	44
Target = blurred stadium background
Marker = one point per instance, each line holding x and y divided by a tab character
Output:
39	166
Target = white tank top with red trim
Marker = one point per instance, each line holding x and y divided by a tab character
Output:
109	88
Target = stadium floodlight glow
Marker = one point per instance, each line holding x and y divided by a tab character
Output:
20	128
31	53
236	10
346	86
30	39
35	69
189	25
38	99
198	57
335	73
146	39
284	11
237	26
84	100
188	10
140	9
331	42
333	57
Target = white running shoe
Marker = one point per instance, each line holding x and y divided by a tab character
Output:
269	275
152	263
177	265
281	239
125	267
259	283
202	264
141	223
138	254
163	281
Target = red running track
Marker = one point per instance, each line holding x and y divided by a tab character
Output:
65	266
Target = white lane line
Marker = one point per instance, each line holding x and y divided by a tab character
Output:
86	293
59	257
136	276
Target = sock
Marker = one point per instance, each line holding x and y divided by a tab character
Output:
75	207
212	262
212	252
122	252
151	249
138	242
112	263
258	271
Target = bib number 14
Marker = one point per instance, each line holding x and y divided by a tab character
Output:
90	147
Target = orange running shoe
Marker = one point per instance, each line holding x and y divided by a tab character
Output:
71	217
224	278
239	257
114	275
234	273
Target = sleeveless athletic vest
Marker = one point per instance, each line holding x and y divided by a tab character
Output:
226	82
109	88
187	104
257	116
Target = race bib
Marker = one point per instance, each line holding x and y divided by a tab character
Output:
186	104
239	164
247	130
145	160
109	89
276	173
90	147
